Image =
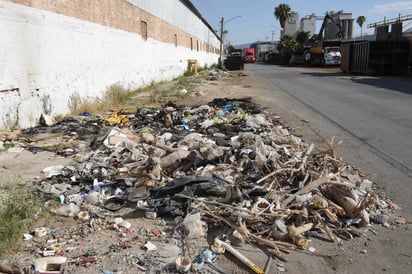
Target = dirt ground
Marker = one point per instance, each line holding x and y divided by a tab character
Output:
380	250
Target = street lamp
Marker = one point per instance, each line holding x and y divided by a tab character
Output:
222	22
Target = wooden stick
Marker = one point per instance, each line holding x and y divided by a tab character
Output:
240	256
312	185
246	233
285	210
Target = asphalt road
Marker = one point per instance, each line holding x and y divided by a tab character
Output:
371	115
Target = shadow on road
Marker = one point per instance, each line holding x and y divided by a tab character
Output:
396	83
391	83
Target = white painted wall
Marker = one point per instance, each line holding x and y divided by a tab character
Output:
46	58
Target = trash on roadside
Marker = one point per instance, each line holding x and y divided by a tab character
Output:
183	263
195	227
228	163
40	232
149	246
69	210
50	265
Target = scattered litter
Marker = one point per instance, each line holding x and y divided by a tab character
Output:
226	163
53	264
195	227
52	171
149	246
40	232
83	216
401	221
69	210
183	263
27	237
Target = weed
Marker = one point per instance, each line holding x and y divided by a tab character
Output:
77	159
203	68
213	66
84	105
19	208
116	95
188	73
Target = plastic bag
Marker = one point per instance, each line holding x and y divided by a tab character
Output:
194	226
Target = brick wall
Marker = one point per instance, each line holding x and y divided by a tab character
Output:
119	14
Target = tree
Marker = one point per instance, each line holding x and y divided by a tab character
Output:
302	37
230	48
282	13
287	44
360	20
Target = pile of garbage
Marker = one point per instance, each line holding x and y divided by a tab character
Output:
227	163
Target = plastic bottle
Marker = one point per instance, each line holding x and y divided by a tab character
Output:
383	219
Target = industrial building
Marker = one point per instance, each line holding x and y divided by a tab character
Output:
341	22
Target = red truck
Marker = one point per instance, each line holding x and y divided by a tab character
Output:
249	55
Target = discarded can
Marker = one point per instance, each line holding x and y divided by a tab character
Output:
151	215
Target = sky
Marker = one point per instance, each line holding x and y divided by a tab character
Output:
248	21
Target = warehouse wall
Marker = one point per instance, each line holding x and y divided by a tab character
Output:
54	51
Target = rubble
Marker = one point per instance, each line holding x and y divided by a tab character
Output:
227	163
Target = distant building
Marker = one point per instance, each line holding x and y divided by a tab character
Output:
262	47
343	22
292	25
308	24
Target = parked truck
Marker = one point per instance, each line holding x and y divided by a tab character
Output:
323	55
325	52
249	55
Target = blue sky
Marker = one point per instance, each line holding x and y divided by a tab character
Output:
258	23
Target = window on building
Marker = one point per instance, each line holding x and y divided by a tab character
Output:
191	43
143	29
175	40
197	45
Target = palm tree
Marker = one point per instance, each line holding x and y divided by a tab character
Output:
360	20
282	13
287	44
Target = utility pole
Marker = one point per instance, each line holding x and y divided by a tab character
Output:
221	42
222	23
